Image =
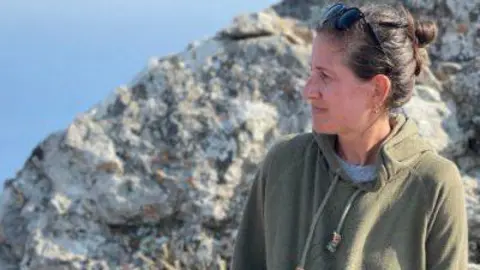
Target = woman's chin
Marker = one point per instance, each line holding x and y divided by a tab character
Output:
324	128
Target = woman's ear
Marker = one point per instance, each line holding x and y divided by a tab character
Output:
382	88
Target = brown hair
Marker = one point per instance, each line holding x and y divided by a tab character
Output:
402	39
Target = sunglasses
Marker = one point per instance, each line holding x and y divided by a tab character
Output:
344	17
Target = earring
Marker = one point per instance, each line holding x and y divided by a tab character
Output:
375	110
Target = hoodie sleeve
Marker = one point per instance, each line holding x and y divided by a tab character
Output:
249	247
447	241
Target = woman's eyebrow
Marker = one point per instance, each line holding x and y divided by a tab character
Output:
318	67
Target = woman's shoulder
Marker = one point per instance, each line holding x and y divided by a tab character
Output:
438	173
287	152
290	146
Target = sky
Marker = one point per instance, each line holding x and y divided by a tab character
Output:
59	58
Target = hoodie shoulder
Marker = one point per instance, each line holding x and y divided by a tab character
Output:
447	227
287	151
290	147
438	173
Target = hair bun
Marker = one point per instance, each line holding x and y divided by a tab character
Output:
425	32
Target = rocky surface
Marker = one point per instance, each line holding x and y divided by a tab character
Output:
155	176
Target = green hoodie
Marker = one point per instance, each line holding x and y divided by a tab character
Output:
304	211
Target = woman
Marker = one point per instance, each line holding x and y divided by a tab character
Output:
363	190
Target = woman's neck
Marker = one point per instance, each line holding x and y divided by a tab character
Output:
360	148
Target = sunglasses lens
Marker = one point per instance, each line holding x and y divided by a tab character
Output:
348	19
344	17
333	11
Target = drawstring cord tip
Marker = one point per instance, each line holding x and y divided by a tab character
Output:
333	244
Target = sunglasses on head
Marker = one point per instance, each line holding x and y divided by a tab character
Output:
343	17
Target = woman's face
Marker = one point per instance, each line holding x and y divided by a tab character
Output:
340	102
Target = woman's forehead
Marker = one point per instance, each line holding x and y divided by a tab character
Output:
325	53
326	49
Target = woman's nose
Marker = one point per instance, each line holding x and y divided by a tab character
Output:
311	89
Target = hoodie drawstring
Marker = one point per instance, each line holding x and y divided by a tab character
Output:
332	245
314	222
337	237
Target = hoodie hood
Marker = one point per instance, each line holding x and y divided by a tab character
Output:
401	149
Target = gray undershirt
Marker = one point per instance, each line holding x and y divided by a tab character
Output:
358	173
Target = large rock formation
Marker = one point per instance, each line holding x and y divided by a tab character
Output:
155	176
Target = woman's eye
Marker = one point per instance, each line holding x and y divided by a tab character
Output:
323	75
320	74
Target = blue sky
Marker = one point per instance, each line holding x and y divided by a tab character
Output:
59	58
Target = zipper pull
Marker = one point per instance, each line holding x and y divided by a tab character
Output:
332	245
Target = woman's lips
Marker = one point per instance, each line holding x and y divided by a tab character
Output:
318	110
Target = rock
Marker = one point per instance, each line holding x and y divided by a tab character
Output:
449	68
465	89
437	121
469	162
473	211
429	78
168	150
260	24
